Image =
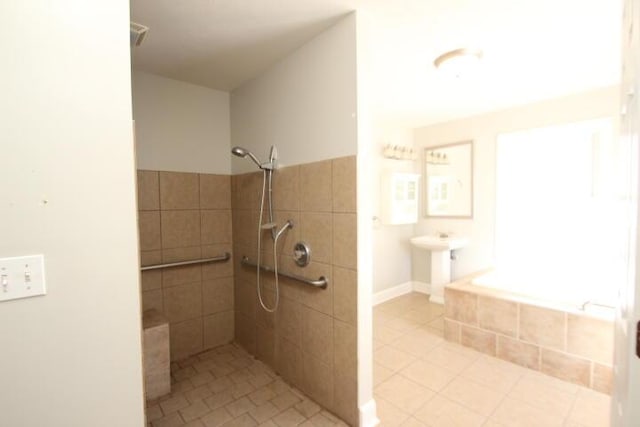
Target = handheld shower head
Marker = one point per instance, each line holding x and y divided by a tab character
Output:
243	152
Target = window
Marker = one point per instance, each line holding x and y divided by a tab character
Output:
561	210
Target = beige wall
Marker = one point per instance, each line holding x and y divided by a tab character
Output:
311	339
182	217
483	130
72	357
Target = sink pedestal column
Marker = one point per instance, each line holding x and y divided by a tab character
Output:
440	275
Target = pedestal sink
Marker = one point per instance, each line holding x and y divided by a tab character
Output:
439	247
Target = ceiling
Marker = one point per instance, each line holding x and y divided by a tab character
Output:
533	50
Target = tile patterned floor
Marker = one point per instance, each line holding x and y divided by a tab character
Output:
422	380
226	386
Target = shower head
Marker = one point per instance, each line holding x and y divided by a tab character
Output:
243	152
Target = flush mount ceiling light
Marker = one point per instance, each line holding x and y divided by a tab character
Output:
458	62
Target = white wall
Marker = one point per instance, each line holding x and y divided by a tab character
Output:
391	248
483	130
180	126
72	357
305	104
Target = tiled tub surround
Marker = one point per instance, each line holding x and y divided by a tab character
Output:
566	344
187	216
311	340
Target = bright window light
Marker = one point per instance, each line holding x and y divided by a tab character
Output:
561	211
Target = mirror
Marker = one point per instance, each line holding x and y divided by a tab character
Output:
449	180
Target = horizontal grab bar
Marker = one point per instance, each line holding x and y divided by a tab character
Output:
220	258
321	283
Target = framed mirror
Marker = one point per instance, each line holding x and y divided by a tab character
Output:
449	180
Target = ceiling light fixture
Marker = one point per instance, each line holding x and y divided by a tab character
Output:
458	62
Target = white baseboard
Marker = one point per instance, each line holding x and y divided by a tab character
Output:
423	288
401	289
391	293
368	417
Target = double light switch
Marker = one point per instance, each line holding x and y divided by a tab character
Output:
21	277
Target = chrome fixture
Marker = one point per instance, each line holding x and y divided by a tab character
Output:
218	258
267	192
321	283
302	254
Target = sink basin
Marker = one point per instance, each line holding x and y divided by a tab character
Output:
437	243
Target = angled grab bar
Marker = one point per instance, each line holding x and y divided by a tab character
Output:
321	283
220	258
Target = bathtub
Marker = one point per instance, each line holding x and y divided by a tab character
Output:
562	337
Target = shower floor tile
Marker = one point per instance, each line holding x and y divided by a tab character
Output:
469	388
226	386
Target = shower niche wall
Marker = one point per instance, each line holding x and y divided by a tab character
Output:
183	217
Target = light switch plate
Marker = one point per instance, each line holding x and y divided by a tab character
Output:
22	277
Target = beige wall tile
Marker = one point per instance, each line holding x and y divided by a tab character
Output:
344	184
246	190
150	280
152	299
245	223
461	306
218	329
289	320
566	367
286	188
590	338
148	190
318	380
186	338
345	295
345	343
215	191
478	339
542	326
179	190
263	317
245	299
175	276
316	229
265	344
183	302
245	332
149	227
602	379
150	257
215	270
345	402
315	187
215	226
498	315
345	240
452	331
518	352
289	361
316	298
217	295
180	229
317	335
181	254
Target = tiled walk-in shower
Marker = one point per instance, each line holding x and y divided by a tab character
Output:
226	386
422	380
